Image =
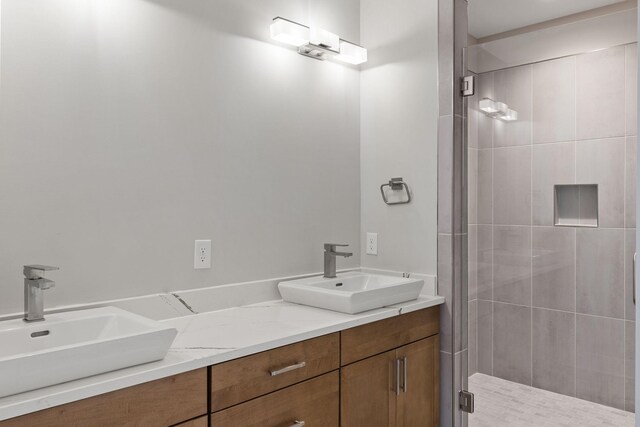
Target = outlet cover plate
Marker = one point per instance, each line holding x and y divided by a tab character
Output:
372	243
202	254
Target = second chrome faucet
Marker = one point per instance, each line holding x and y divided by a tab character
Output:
330	255
34	285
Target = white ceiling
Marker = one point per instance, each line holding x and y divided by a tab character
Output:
488	17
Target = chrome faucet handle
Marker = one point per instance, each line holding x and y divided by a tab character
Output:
36	271
42	284
330	247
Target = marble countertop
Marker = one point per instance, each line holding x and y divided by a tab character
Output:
209	338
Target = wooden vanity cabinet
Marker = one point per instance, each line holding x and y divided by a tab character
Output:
243	379
399	387
384	373
164	402
396	388
377	337
314	402
198	422
366	392
293	385
418	403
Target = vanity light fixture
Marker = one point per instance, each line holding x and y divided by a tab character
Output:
352	53
325	39
488	106
502	109
316	43
509	116
497	110
289	32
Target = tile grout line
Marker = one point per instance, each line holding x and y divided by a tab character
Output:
531	211
575	234
477	101
624	240
575	139
560	226
562	311
492	226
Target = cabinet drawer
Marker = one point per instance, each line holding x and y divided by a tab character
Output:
162	402
198	422
242	379
377	337
314	402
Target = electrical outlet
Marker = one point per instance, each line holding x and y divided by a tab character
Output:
202	254
372	243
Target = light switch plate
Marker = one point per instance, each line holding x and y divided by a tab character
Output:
202	254
372	243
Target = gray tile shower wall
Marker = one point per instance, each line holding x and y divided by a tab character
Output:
551	307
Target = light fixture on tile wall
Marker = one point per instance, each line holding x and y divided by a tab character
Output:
498	110
316	42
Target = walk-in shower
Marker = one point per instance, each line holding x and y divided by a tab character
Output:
551	221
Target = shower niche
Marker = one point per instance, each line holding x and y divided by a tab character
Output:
576	205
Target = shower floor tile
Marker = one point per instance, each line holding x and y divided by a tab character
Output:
501	403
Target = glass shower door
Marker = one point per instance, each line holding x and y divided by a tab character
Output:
551	235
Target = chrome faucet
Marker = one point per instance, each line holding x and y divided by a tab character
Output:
34	284
330	255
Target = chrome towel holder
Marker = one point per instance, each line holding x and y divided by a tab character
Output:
396	184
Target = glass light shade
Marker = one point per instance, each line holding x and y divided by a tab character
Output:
324	38
510	115
488	106
352	53
501	108
289	32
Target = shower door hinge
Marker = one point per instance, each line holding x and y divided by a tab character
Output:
468	86
466	399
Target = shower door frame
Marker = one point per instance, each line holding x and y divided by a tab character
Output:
452	209
635	270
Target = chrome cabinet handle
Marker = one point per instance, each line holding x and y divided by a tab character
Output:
635	257
288	369
397	377
404	374
297	423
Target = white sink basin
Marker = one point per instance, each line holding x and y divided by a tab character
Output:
72	345
351	292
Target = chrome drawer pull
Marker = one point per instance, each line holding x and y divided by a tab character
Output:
288	369
397	377
298	424
635	258
404	374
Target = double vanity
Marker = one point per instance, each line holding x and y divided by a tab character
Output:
269	363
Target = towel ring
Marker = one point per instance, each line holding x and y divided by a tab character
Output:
396	184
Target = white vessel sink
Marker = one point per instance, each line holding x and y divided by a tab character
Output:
72	345
351	292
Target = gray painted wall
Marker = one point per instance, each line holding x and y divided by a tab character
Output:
130	128
399	115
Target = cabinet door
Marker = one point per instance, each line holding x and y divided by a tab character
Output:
368	392
419	398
